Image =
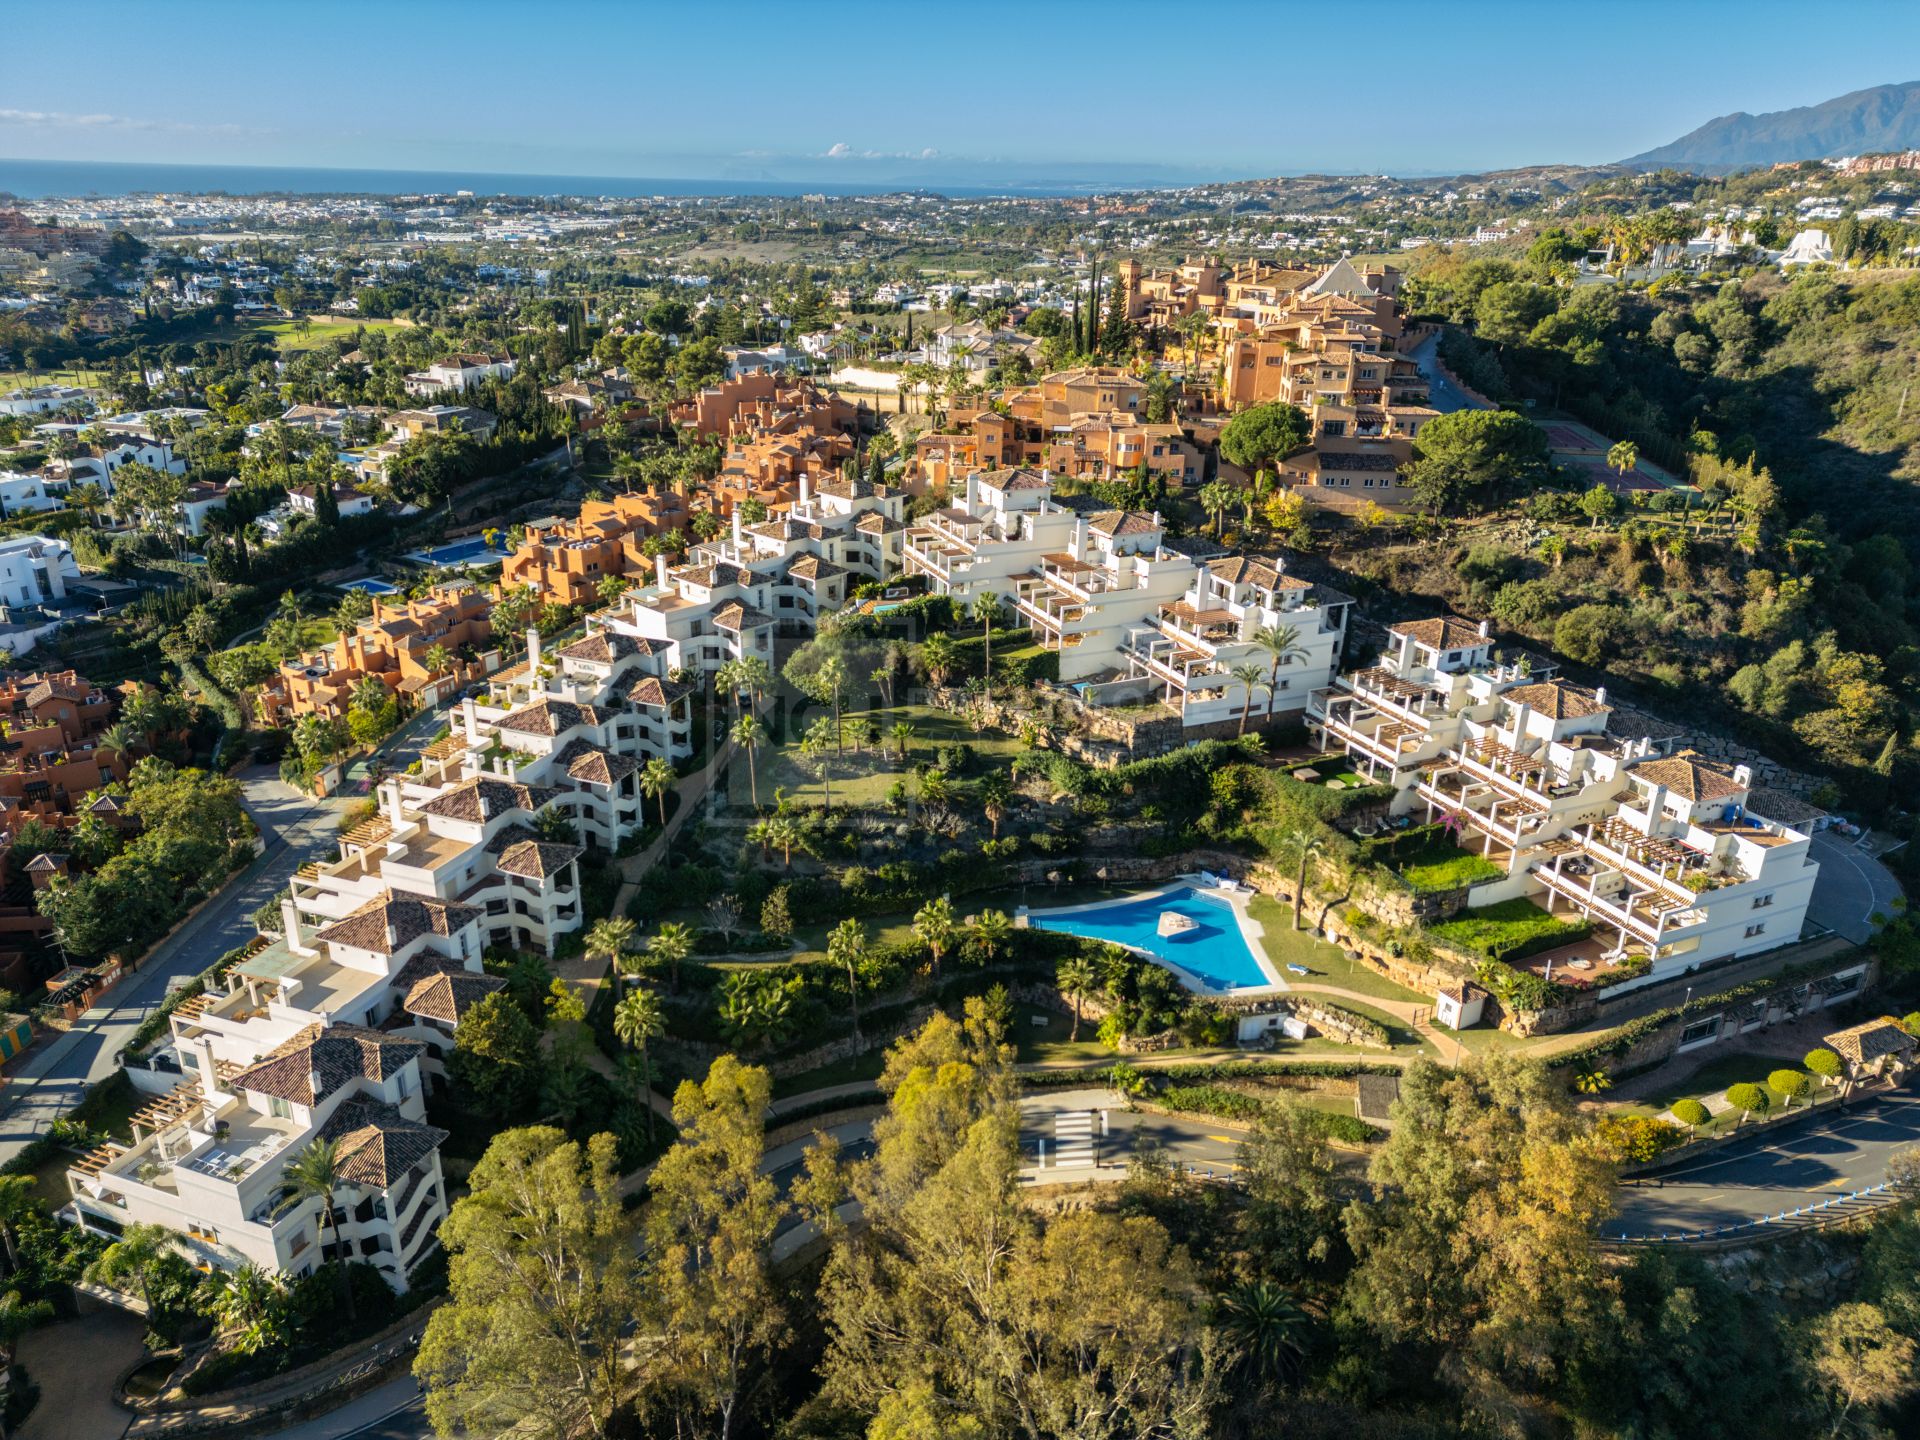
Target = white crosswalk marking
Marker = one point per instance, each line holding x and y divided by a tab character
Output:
1073	1138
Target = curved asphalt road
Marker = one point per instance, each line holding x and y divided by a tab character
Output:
1851	889
1828	1159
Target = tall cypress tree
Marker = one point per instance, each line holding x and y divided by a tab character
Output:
1093	306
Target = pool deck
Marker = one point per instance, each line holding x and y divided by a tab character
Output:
1252	932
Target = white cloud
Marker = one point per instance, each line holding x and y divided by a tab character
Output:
62	120
844	151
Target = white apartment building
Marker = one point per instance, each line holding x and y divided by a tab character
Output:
328	1037
739	591
1081	582
42	399
1662	852
1190	647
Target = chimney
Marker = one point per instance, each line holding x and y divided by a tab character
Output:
972	492
393	937
1743	776
1079	536
1656	802
1522	712
313	1083
290	921
1600	695
533	649
739	526
660	571
806	487
1485	631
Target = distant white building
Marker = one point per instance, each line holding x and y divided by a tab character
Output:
22	493
1809	247
35	570
41	399
459	372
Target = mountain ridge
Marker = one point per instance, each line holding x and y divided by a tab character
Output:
1879	118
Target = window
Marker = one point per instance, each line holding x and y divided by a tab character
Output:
1700	1031
1760	902
279	1109
1753	930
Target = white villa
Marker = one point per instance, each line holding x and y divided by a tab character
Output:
459	372
1661	851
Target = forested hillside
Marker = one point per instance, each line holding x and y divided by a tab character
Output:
1783	608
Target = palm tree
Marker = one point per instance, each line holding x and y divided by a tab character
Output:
637	1019
938	654
816	747
847	945
903	733
609	938
993	928
133	1257
783	834
1268	1324
246	1303
1301	845
1282	642
1216	499
1076	980
118	737
314	1174
986	609
671	944
1623	456
934	926
747	734
657	779
16	1200
1592	1081
995	791
1253	678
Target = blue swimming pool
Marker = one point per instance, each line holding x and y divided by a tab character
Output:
1214	955
474	550
370	586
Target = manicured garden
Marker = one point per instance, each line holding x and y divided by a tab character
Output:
1508	931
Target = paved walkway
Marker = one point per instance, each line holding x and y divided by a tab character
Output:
74	1363
55	1077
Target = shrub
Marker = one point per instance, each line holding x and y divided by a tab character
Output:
1749	1099
1824	1063
1691	1113
1636	1139
1790	1084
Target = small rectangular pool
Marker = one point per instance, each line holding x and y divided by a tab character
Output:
1215	956
369	586
474	550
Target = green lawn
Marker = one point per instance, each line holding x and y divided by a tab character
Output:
1445	866
841	1072
1285	945
1048	1044
1509	928
862	778
22	379
1717	1075
289	337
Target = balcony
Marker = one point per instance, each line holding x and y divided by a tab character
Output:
1170	660
1603	893
1392	743
1206	628
1384	690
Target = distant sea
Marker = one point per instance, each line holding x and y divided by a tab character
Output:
35	179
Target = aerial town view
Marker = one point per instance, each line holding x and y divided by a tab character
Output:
757	724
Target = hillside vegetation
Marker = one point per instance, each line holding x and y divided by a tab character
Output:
1783	608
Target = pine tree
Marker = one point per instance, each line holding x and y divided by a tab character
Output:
1093	306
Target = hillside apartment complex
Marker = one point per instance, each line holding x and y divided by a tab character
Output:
1662	852
395	646
1132	616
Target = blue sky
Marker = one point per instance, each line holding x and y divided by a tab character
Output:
913	91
